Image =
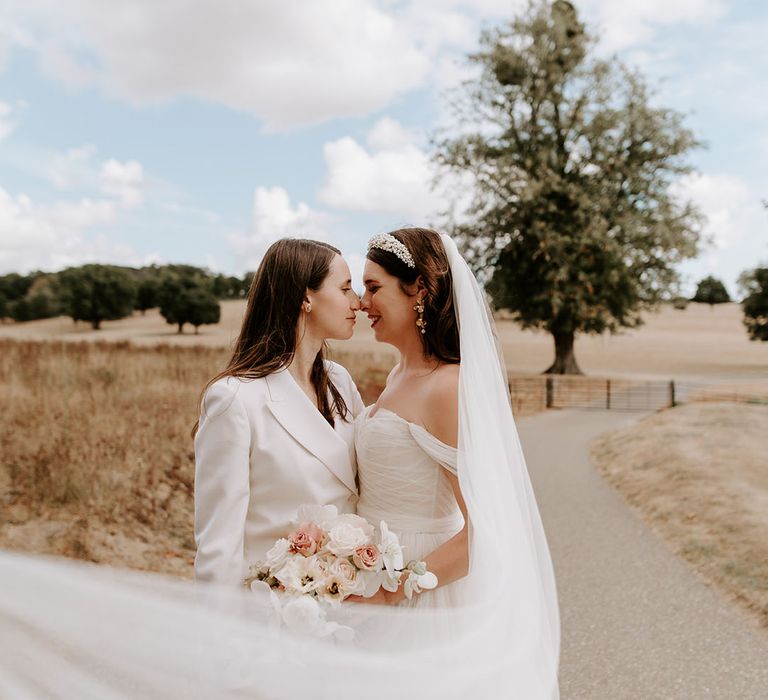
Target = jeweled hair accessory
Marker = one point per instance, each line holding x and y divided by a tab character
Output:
386	241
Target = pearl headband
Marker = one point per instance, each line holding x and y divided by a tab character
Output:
386	241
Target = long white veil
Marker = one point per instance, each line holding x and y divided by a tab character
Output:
78	630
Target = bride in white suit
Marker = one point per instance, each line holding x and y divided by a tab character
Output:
276	428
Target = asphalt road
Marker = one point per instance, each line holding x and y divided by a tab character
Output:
637	623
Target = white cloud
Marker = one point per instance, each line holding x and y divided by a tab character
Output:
36	236
52	235
732	209
123	181
389	134
736	221
73	168
274	217
393	177
330	58
633	22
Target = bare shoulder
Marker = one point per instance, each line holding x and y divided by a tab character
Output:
443	404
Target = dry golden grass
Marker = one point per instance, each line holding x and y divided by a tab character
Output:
698	475
755	391
97	460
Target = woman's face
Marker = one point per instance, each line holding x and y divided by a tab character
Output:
388	307
333	306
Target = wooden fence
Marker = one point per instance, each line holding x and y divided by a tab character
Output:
535	394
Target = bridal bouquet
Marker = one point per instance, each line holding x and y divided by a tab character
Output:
328	557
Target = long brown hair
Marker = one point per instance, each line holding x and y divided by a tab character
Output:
441	339
267	340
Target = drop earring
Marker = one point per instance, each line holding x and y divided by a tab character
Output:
419	309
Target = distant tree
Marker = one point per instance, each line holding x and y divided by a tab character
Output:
15	286
754	284
29	297
186	296
247	282
227	287
5	310
204	308
147	294
43	306
97	293
572	221
20	310
711	291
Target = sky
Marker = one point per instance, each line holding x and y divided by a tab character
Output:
139	132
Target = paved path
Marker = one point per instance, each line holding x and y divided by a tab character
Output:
636	622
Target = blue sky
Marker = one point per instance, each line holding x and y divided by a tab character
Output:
139	132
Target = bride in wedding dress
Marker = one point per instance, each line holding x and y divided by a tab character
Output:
407	442
439	460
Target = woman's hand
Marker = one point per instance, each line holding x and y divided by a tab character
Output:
381	597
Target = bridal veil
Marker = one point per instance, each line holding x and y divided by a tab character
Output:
78	630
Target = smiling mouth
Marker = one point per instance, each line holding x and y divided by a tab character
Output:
374	320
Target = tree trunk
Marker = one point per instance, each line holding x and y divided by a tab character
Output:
181	325
197	330
96	324
565	360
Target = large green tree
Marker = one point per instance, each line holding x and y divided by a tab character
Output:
572	221
186	296
97	293
754	283
711	291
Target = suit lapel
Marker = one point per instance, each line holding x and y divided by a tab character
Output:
295	412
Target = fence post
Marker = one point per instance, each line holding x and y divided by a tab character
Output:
608	393
672	401
550	392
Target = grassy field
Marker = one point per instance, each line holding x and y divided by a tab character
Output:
97	461
698	475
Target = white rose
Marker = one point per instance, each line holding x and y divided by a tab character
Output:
345	539
355	521
278	555
322	516
347	575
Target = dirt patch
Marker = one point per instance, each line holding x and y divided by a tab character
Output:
698	475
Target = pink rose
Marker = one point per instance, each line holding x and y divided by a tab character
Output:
306	539
367	557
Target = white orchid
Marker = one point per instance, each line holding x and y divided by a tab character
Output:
415	583
301	574
392	554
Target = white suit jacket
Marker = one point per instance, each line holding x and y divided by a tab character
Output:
262	450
